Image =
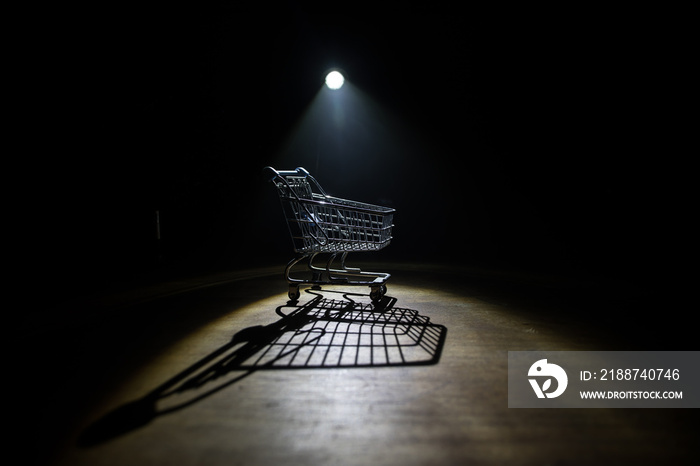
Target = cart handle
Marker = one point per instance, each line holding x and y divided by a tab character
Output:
270	173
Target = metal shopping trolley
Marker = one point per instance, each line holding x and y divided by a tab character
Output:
319	223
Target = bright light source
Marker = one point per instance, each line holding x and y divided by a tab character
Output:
334	80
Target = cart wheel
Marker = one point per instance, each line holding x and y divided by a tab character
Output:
376	294
294	293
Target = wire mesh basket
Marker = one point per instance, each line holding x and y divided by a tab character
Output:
321	223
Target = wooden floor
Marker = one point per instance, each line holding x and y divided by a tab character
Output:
220	369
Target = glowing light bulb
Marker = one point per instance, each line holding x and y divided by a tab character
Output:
334	80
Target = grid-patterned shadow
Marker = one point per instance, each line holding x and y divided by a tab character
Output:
326	332
345	333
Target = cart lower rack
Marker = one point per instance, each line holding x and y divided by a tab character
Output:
319	223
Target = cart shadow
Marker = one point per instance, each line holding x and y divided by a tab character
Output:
331	330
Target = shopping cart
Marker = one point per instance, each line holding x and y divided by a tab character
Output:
319	223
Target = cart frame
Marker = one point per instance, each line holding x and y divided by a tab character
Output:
323	224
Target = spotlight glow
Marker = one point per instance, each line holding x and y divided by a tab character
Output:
334	80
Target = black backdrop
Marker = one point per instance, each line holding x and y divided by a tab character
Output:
547	142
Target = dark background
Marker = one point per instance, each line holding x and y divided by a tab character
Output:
540	140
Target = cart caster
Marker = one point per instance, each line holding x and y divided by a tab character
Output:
377	293
294	293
